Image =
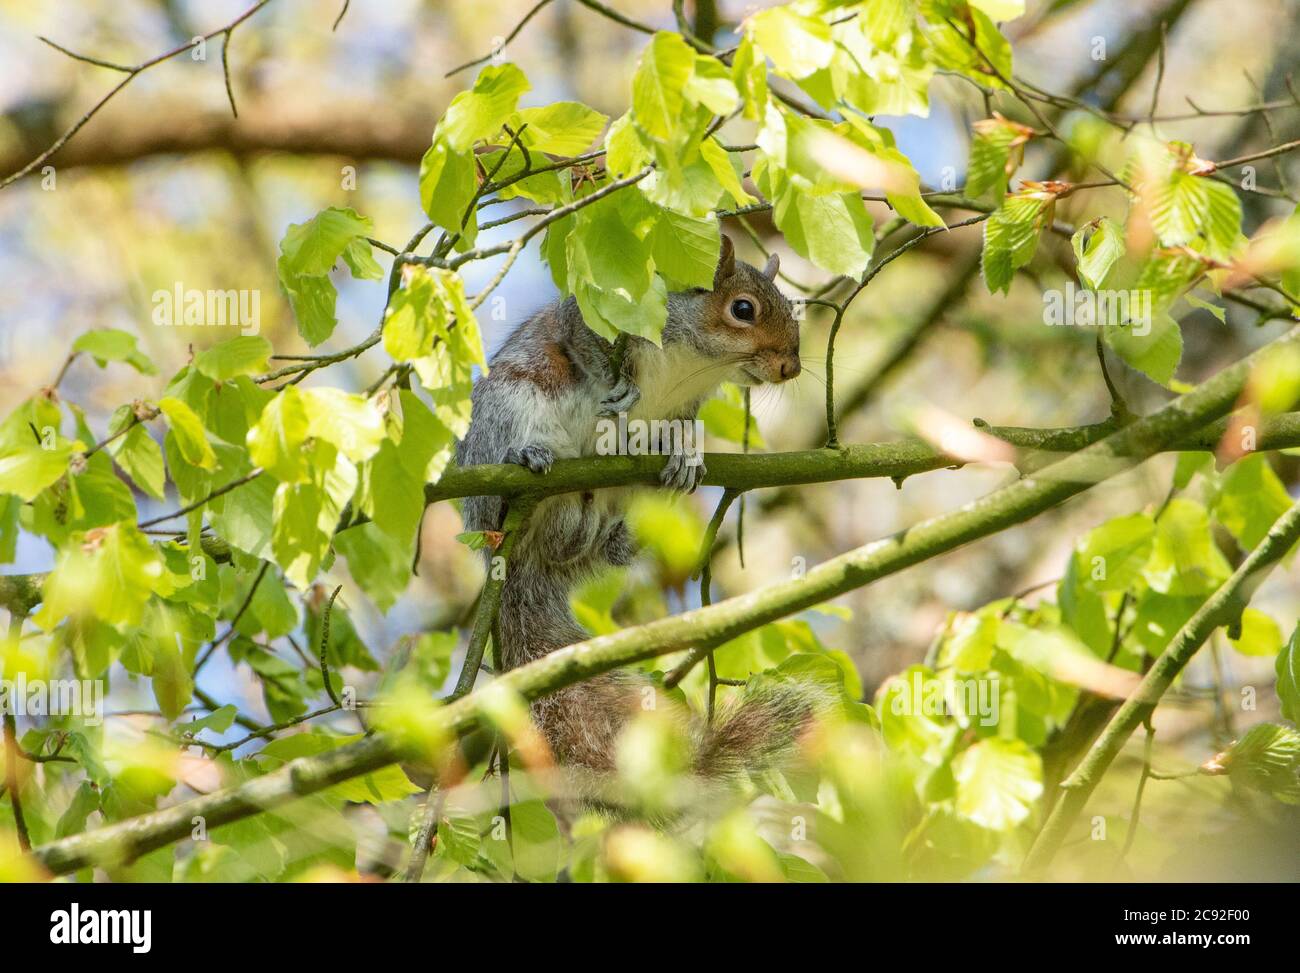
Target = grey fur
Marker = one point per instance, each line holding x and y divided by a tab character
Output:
547	387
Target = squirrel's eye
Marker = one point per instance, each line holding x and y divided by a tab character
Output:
742	309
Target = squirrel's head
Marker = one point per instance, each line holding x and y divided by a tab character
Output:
746	320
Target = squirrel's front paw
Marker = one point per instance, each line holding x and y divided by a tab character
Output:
537	459
621	397
683	472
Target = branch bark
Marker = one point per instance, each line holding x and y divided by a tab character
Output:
704	628
357	133
753	471
741	472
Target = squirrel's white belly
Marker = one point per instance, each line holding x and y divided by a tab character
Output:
672	378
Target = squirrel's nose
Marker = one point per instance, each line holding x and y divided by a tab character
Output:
790	368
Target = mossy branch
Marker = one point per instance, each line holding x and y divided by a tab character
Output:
741	472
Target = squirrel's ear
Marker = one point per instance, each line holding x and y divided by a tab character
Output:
726	261
772	266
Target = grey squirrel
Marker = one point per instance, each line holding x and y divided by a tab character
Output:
546	389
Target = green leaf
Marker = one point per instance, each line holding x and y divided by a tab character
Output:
536	841
749	72
1011	237
880	65
1166	275
658	87
283	689
998	783
1112	556
1222	225
415	318
348	421
1260	635
27	468
1096	248
725	171
187	429
111	345
312	300
690	188
1185	560
710	85
1000	9
97	497
245	355
313	248
1251	497
724	417
995	153
480	112
276	442
305	517
448	182
833	231
140	458
1288	677
244	517
308	253
173	686
108	575
422	313
1154	348
953	49
797	45
561	128
458	835
685	250
393	488
84	803
380	564
625	152
219	720
611	275
10	507
1204	305
1266	758
359	255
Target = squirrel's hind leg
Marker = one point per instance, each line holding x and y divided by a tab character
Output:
619	548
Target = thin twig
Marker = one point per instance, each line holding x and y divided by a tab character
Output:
225	71
533	11
325	644
131	74
234	621
220	491
342	13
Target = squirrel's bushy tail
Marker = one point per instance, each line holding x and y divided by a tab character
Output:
582	722
761	727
